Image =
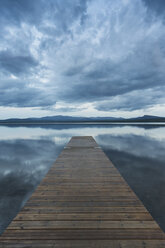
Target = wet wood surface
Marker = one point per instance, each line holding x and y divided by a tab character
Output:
83	201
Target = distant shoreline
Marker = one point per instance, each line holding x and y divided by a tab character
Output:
62	120
84	122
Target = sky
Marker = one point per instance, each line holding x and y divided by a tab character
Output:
82	58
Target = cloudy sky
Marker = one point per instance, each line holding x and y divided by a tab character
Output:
82	57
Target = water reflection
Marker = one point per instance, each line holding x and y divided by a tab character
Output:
23	163
26	153
141	161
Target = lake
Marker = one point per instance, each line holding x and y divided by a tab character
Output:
27	153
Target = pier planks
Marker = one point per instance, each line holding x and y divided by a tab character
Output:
83	202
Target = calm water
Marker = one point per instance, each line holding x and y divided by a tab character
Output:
26	154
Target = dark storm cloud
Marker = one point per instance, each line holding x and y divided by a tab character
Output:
16	64
126	67
157	6
38	11
135	100
20	10
108	79
17	93
80	52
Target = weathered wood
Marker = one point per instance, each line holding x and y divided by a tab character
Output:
87	234
92	224
84	216
84	198
114	209
83	202
84	243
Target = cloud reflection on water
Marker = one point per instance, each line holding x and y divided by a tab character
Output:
23	163
27	153
141	161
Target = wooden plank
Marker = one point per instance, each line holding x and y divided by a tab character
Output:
83	202
84	199
97	224
84	216
84	243
114	209
87	234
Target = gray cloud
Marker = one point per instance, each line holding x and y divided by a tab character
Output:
40	11
139	99
16	64
17	11
80	52
16	93
157	6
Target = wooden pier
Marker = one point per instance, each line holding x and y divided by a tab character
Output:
83	202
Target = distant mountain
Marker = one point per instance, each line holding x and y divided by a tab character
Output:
148	118
61	118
